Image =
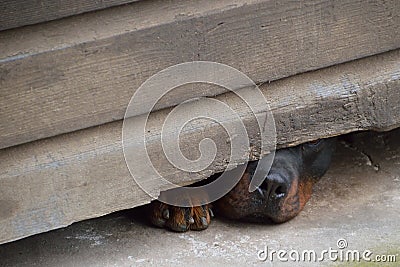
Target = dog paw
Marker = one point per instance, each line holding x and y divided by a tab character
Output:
180	219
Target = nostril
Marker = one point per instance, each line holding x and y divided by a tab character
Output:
280	191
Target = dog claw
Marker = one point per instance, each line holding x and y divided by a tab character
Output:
204	221
165	214
211	213
182	227
191	220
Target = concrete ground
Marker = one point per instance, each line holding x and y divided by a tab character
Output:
358	200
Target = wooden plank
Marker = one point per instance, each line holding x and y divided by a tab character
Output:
53	182
19	13
69	79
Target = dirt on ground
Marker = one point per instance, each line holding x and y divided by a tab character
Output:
355	210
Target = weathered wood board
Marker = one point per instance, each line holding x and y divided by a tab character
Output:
19	13
53	182
81	71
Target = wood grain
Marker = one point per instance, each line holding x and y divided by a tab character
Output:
50	183
81	71
19	13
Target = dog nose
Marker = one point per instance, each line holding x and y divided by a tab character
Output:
274	186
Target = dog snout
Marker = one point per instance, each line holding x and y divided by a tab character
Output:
275	187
